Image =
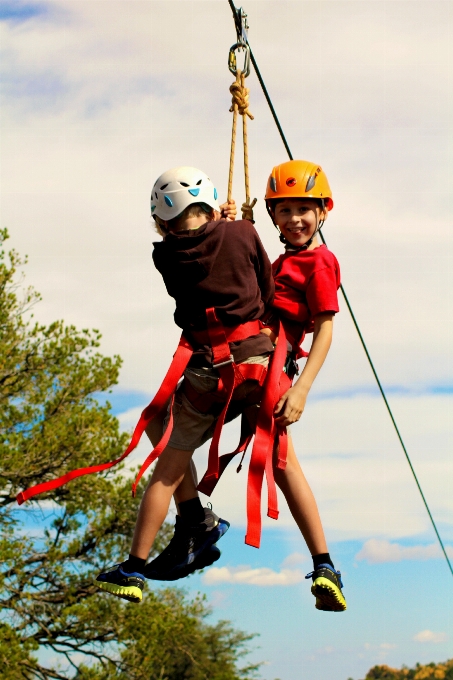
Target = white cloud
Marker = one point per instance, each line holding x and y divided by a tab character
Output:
355	466
360	478
107	95
105	105
430	636
253	577
217	599
377	551
294	559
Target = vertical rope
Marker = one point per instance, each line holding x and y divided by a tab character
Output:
246	147
240	105
234	109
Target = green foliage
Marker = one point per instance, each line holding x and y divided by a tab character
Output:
54	621
432	671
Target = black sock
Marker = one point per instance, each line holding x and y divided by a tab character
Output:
191	511
134	564
323	558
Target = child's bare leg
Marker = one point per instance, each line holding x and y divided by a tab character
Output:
188	486
301	502
170	469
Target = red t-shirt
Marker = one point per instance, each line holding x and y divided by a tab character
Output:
306	284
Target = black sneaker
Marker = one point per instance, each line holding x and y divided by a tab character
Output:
121	583
326	588
204	559
187	544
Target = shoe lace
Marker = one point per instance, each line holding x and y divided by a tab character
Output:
330	568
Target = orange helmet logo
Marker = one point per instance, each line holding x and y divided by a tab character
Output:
299	179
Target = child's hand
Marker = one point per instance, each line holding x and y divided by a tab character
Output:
229	211
268	331
290	407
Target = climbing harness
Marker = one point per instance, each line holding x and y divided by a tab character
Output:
273	383
237	14
240	105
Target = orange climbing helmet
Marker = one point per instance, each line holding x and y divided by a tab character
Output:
299	179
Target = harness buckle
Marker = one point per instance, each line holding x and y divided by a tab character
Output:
224	363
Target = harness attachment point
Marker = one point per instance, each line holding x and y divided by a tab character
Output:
224	363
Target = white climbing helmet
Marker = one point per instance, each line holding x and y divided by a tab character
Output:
178	188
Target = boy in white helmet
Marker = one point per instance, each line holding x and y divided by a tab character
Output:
206	262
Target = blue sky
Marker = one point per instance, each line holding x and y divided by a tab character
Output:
99	99
21	11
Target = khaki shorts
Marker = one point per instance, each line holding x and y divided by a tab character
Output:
191	428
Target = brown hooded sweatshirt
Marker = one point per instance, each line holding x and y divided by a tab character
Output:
222	265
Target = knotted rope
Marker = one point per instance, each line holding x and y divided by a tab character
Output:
240	105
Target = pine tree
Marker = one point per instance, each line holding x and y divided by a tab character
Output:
54	622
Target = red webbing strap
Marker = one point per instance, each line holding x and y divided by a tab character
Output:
282	449
155	453
248	372
222	360
232	333
282	434
272	501
264	433
177	367
207	485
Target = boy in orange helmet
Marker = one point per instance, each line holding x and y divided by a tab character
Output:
307	277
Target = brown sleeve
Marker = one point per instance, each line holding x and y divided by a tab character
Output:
264	272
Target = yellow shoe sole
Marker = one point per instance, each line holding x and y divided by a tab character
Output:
328	595
130	593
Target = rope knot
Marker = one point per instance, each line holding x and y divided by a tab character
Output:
247	210
240	96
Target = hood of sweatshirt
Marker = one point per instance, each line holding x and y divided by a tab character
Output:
185	258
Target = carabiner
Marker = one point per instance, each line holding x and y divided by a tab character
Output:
232	61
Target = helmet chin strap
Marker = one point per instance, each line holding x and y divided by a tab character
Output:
290	246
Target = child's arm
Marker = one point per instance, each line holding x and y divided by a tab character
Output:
228	211
291	405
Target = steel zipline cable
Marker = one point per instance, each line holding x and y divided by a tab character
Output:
241	34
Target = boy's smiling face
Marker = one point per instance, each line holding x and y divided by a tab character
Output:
298	218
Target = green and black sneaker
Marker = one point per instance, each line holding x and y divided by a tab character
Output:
126	585
326	588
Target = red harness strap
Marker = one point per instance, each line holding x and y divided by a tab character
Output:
167	389
223	361
207	485
267	436
231	375
261	458
177	367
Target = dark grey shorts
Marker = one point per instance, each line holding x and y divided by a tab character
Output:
191	428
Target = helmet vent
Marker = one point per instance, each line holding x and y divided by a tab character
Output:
310	183
164	186
199	182
168	201
184	184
